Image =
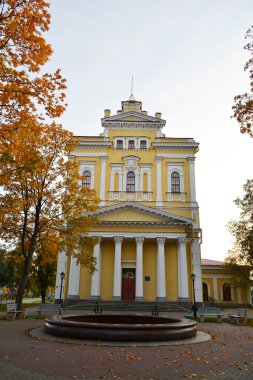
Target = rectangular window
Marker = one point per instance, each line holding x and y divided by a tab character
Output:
131	144
119	144
143	144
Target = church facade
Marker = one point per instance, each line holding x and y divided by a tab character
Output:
149	233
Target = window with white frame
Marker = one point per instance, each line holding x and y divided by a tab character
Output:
119	144
175	182
143	144
130	183
86	181
131	144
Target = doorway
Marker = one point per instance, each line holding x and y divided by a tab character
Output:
128	284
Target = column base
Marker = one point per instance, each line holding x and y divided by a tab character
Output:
185	302
138	298
71	300
161	299
116	298
73	297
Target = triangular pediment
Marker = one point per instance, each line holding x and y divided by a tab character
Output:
135	212
133	116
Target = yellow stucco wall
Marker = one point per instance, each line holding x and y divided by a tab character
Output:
107	269
149	269
171	268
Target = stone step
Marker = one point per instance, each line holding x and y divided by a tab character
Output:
126	306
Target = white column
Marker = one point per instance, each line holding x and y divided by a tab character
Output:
215	289
95	279
102	180
61	267
112	180
149	182
117	268
161	285
192	178
139	268
183	290
196	269
159	181
74	278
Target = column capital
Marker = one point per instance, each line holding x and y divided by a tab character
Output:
139	239
160	240
191	159
158	158
182	240
118	239
103	157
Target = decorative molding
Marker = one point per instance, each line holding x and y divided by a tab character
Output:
133	235
84	154
175	145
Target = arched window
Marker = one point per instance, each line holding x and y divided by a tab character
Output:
226	292
130	185
205	291
175	182
86	181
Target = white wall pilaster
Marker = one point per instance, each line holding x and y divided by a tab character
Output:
139	268
183	289
159	181
215	289
117	268
191	161
102	180
161	285
74	278
196	268
95	279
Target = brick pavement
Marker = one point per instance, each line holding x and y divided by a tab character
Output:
229	355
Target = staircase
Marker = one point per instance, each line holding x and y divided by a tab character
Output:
126	306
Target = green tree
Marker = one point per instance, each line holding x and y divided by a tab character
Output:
243	107
240	259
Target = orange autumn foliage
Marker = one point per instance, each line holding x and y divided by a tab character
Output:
25	93
43	195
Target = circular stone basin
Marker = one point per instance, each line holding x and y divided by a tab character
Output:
121	328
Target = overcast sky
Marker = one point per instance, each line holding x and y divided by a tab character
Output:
187	59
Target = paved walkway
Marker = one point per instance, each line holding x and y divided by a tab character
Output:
228	355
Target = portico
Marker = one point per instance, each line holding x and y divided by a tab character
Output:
140	258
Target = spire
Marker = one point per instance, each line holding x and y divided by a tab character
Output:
132	85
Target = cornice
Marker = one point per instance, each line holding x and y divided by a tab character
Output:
94	144
175	145
132	126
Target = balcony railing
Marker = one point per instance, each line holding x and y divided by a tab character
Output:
130	196
176	197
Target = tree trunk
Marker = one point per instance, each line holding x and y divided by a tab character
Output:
43	295
23	284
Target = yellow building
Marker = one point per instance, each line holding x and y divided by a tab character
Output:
149	232
218	285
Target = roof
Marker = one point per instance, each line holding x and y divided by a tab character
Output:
211	262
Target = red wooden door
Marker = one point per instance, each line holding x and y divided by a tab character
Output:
128	284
